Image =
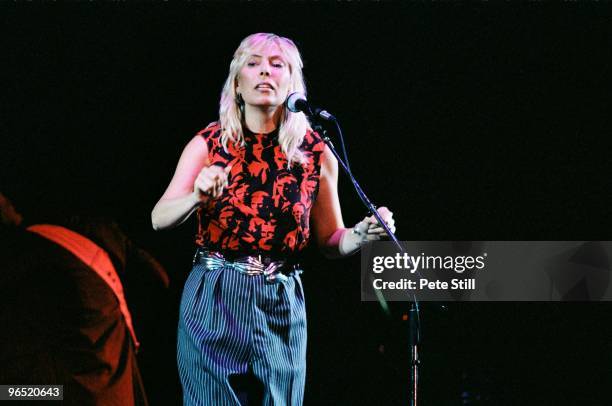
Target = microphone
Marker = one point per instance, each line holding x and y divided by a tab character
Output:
297	102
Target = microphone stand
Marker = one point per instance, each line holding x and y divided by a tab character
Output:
414	317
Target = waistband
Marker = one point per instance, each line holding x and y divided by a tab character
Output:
275	270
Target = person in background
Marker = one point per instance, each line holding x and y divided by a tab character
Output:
63	306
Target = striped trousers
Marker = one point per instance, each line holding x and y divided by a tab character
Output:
241	339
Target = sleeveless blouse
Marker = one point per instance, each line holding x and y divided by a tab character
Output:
266	207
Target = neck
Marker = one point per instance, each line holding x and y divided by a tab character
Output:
262	119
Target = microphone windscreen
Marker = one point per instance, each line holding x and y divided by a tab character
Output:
294	100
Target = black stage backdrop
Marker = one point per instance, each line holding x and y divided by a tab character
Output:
471	122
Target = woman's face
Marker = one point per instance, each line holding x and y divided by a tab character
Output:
264	80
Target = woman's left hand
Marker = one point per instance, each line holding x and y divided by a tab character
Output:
372	229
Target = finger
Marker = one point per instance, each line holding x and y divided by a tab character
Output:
389	223
210	176
215	188
386	220
208	185
220	186
383	210
385	213
381	230
386	216
199	186
225	181
218	175
370	220
226	175
208	171
217	184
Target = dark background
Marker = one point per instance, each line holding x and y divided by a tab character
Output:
471	122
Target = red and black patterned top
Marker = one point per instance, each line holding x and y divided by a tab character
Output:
266	206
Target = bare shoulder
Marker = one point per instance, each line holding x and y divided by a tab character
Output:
191	162
197	146
204	139
329	163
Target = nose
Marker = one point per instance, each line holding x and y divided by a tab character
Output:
265	70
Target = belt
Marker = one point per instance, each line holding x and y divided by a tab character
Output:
275	271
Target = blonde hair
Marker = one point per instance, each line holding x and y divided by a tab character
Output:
291	127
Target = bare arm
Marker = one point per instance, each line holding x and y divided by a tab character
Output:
333	238
193	183
326	213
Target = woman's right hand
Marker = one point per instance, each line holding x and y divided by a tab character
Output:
211	181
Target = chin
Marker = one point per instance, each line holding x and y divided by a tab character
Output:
266	103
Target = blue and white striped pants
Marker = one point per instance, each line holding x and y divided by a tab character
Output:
233	325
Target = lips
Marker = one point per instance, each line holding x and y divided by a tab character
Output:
264	86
